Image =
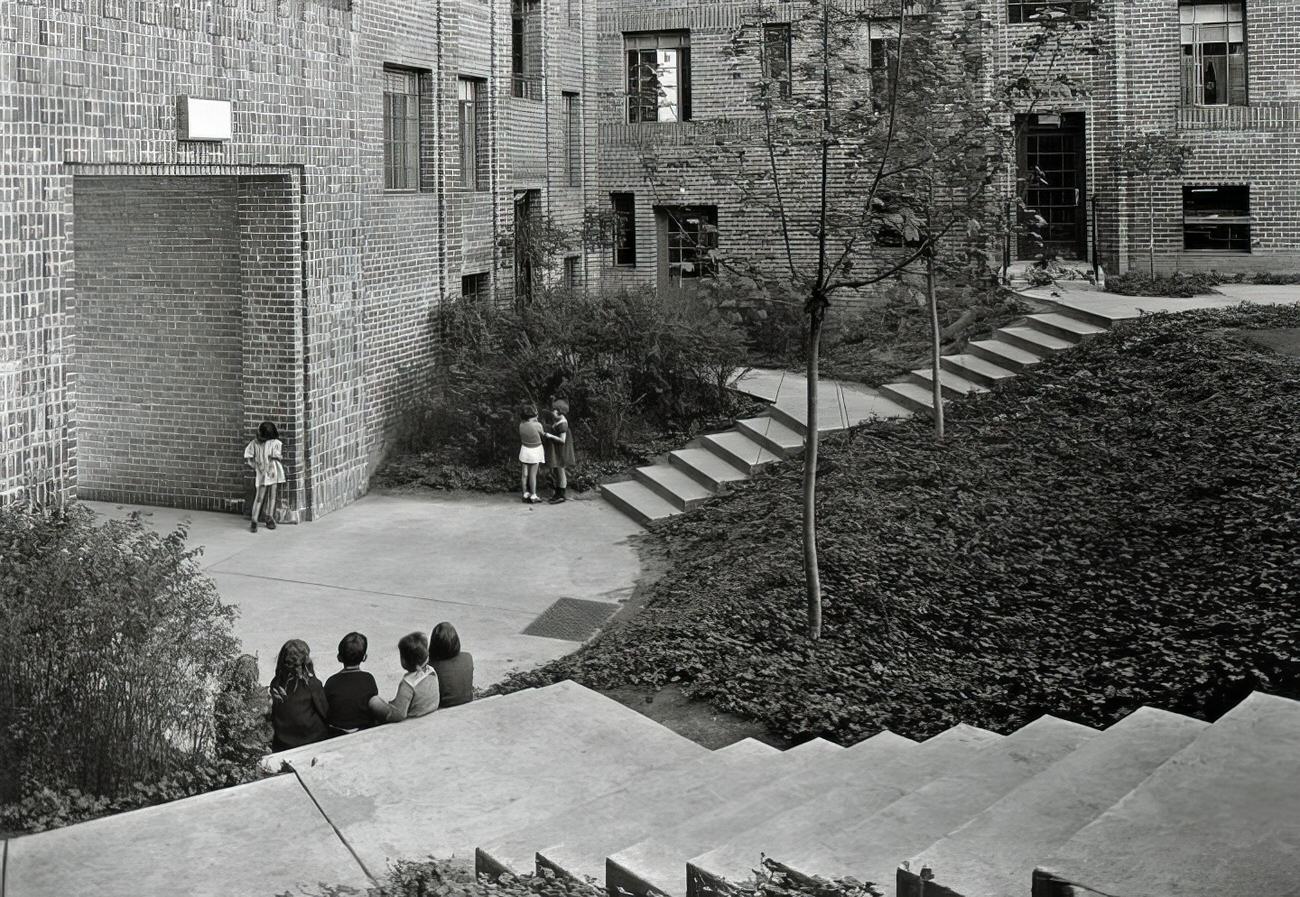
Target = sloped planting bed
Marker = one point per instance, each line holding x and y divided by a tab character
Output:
1119	527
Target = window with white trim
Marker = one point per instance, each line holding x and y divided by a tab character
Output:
1214	53
473	152
658	76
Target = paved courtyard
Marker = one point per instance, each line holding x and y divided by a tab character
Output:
394	563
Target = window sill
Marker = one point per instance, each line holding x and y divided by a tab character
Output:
1265	117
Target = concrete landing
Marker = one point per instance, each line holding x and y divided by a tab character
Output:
1096	304
251	841
1221	817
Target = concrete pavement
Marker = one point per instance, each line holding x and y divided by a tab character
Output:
393	563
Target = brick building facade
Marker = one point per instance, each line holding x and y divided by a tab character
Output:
161	295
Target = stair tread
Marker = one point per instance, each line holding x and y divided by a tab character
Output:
1074	325
709	464
950	379
1015	353
838	411
553	748
681	484
1038	337
1219	817
870	848
994	853
981	366
733	444
914	391
641	497
778	431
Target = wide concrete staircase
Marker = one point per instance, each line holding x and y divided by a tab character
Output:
706	467
563	778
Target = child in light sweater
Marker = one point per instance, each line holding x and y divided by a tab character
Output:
417	693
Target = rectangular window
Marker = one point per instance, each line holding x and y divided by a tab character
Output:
473	165
1214	53
1217	218
691	241
882	47
574	7
624	206
572	140
474	287
525	49
658	76
776	57
401	129
571	272
1019	11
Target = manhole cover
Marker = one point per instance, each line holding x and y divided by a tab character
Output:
571	619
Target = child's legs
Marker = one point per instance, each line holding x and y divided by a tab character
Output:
562	479
523	478
269	504
532	479
257	501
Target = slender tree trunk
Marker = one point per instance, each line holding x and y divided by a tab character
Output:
935	337
812	571
1151	228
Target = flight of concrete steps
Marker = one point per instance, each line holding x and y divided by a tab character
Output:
566	779
707	466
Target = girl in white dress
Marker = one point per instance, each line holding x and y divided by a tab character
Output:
263	454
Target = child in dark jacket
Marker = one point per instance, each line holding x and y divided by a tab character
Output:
348	692
298	706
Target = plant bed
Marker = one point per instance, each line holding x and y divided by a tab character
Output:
1115	528
1186	285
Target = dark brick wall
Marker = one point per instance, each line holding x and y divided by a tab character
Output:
158	370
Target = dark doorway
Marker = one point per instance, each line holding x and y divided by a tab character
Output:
1052	164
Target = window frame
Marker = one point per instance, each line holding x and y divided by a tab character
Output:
1022	12
682	248
1196	89
473	158
481	282
572	274
525	83
623	205
777	34
640	75
407	162
572	107
1206	218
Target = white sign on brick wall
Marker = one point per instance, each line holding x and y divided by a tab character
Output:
198	119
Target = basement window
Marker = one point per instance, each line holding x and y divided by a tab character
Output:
1217	219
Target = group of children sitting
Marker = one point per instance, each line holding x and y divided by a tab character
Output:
438	674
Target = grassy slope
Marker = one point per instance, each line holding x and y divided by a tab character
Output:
1120	527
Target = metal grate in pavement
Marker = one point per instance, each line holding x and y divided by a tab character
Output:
572	619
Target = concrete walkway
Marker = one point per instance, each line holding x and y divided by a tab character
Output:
394	563
1086	297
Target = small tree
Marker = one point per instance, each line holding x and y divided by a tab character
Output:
1150	156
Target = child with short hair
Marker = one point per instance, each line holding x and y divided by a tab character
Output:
417	693
531	453
349	691
264	454
455	668
298	706
559	449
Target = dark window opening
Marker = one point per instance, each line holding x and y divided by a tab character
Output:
572	140
473	136
880	61
690	242
658	76
624	236
526	49
401	129
475	287
571	277
1217	218
776	57
527	224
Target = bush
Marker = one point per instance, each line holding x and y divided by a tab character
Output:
628	363
115	648
1174	286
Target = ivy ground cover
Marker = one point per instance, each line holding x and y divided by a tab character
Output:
1119	527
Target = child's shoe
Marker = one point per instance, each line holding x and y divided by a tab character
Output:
535	499
528	498
270	524
558	497
252	527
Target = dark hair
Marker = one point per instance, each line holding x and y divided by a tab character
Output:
352	649
561	405
293	667
527	411
414	651
444	643
266	430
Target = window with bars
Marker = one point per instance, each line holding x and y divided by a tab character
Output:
776	57
525	49
473	134
690	242
1019	11
572	140
401	129
624	236
1214	53
475	287
658	76
1217	218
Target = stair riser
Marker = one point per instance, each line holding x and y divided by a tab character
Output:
902	398
1015	339
719	487
909	884
971	374
658	488
950	392
628	508
1078	314
776	448
788	419
702	883
1058	331
1002	361
486	864
742	464
621	882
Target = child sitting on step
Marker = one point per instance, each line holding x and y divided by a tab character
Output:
349	691
417	693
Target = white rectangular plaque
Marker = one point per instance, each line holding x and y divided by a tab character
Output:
198	119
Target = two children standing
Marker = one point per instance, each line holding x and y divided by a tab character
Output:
551	445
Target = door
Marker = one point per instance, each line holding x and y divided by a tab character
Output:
1052	166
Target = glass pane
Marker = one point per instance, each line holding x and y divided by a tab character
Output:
1237	77
1214	75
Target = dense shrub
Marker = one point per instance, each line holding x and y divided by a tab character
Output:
1183	286
115	647
629	363
1117	527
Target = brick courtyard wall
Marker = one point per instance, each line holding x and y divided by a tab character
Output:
159	338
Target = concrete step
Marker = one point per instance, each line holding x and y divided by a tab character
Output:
1087	310
638	501
910	395
840	410
1219	817
674	485
1032	340
1064	326
954	385
871	848
574	838
657	862
706	468
800	828
776	435
994	854
1005	355
738	450
479	775
266	837
976	369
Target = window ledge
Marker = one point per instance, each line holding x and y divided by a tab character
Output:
1263	117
